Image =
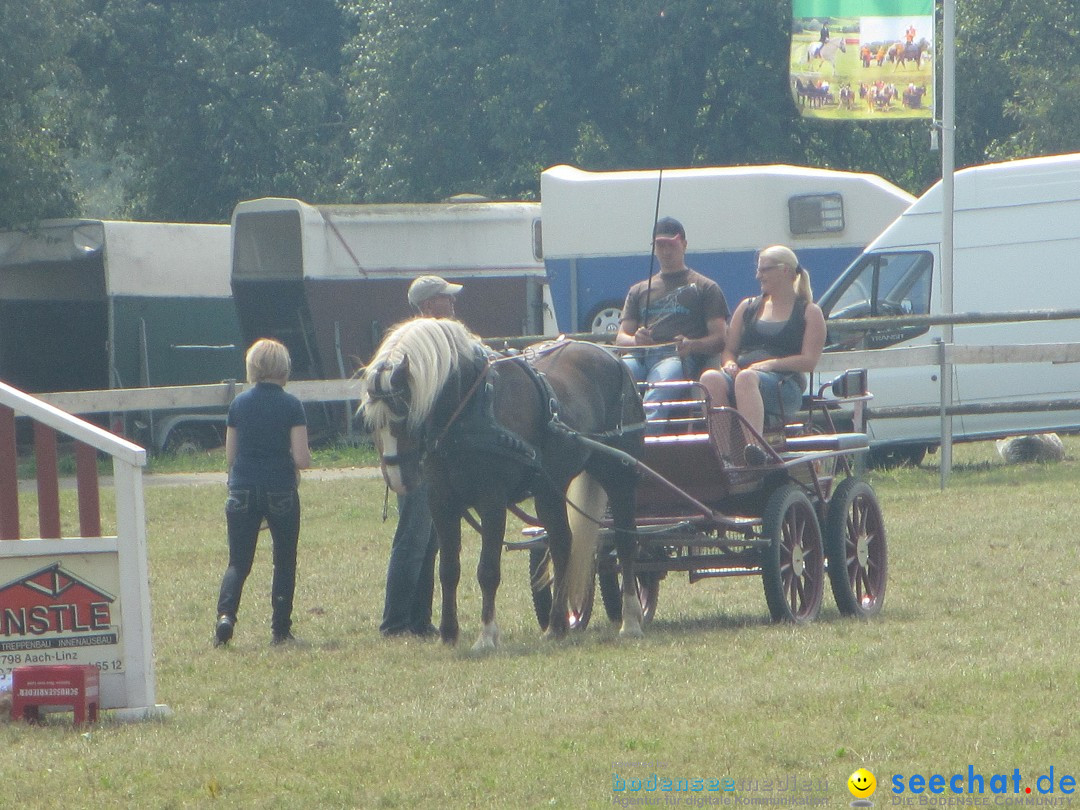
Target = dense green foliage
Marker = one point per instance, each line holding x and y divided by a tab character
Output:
177	110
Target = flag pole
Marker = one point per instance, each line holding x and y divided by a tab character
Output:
948	202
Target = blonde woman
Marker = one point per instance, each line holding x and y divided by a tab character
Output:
266	442
774	341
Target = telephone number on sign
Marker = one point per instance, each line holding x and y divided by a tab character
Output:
9	661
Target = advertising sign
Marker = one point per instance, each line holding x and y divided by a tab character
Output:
863	59
54	612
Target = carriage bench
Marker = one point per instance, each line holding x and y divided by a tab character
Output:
72	687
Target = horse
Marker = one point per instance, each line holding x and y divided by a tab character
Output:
902	52
486	431
847	97
826	51
913	96
809	92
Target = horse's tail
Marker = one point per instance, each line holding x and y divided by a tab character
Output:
588	497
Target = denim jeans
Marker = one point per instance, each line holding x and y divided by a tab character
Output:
245	510
410	575
659	365
781	395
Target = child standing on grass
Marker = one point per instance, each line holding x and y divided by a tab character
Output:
266	444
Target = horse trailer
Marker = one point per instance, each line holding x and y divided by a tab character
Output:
328	280
1016	238
98	304
598	228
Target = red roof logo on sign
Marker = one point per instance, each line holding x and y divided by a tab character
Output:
53	600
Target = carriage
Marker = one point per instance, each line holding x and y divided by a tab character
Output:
799	514
696	490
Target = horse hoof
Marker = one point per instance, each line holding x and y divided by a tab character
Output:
631	632
553	635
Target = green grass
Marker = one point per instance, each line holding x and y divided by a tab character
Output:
972	662
340	454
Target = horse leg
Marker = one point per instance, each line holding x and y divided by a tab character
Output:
449	531
621	497
551	511
488	574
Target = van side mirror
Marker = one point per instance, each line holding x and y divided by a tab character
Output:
852	383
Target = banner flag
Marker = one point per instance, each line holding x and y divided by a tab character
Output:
863	59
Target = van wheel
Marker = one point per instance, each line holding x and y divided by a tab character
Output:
604	320
890	456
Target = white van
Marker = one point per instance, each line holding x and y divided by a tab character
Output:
1016	248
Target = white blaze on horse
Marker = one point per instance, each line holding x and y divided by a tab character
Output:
491	431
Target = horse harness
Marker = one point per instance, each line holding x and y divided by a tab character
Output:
473	426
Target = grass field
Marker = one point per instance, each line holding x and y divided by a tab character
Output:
972	663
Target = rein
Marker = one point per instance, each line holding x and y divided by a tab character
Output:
480	378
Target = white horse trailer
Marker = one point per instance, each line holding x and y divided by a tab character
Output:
328	280
598	228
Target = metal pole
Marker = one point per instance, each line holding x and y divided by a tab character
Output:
948	158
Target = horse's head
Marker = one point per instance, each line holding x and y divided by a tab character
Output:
385	404
400	387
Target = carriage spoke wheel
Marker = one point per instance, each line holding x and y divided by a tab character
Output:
577	615
648	589
856	549
793	564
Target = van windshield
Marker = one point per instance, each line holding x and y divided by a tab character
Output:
882	284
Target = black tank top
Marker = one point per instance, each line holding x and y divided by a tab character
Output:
787	341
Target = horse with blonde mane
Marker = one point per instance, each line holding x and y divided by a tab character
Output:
487	431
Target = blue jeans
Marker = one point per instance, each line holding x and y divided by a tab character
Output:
410	575
781	394
245	510
659	365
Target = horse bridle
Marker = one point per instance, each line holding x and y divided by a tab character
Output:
396	400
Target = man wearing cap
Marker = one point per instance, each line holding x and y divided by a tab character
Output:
410	575
678	317
433	297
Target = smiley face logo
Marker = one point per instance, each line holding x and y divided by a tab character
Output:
862	784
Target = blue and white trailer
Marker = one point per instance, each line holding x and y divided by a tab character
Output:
598	228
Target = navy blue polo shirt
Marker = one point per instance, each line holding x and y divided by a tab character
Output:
263	418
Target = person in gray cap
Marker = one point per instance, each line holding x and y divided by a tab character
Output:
433	297
410	575
677	318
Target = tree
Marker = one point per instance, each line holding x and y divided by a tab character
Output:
482	96
35	125
1018	93
219	102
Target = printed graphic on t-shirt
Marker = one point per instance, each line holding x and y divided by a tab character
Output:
664	313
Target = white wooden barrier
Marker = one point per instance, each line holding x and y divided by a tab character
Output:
113	629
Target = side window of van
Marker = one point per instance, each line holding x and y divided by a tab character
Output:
881	284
